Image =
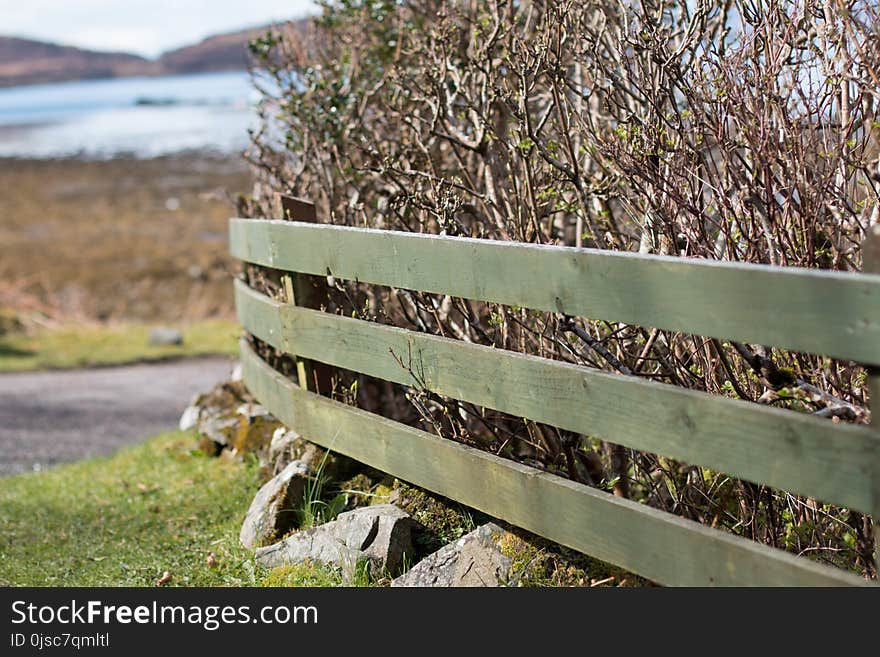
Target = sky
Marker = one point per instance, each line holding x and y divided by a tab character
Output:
145	27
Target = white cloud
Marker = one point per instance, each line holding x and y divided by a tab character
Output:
144	26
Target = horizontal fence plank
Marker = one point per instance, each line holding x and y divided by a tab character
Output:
259	314
830	313
657	545
788	450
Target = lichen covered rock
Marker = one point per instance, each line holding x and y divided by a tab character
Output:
444	520
273	510
286	446
255	429
227	417
473	560
381	534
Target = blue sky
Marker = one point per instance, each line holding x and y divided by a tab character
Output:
146	27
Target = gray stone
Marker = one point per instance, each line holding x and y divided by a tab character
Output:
252	410
287	445
282	449
481	563
244	427
228	418
219	429
473	560
189	419
381	533
163	336
272	512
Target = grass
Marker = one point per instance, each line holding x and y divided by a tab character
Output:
314	510
311	574
123	521
157	507
163	506
113	344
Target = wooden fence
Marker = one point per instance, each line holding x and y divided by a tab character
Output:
822	312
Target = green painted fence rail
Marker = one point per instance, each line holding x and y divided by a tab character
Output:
820	312
829	313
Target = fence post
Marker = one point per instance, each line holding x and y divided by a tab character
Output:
307	292
871	264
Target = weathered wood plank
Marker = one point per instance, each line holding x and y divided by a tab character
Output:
258	311
831	313
308	292
657	545
298	209
295	209
788	450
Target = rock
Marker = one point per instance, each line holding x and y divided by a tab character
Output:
273	510
163	336
481	563
255	430
282	449
382	534
220	429
229	418
215	417
227	395
251	409
189	419
473	560
286	446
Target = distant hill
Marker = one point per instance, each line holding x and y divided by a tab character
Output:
224	52
25	61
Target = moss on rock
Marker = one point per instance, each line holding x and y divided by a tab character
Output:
359	491
538	562
535	561
444	520
254	432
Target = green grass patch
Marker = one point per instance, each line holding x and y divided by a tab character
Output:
125	520
161	506
318	575
116	344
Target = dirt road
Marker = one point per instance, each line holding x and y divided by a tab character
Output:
54	417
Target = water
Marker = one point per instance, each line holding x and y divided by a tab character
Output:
143	116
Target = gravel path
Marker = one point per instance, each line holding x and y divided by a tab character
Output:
54	417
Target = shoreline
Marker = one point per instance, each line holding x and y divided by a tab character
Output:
142	117
194	154
6	84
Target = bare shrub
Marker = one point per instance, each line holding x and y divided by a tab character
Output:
729	130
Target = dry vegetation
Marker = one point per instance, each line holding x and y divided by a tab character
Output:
122	238
729	130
